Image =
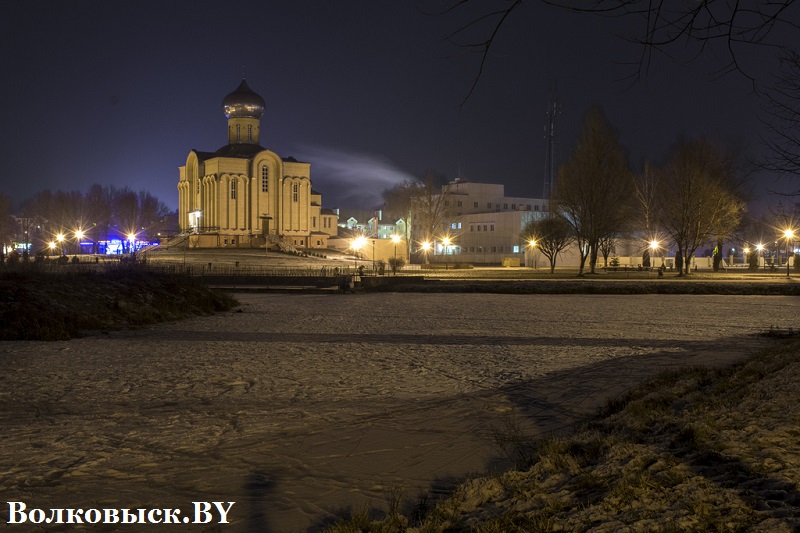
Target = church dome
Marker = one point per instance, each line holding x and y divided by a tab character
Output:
243	103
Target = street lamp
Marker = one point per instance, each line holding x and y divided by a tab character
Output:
446	243
52	247
426	247
358	244
132	241
759	250
789	234
79	237
395	240
60	239
532	245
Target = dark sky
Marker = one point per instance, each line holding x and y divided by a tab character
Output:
367	92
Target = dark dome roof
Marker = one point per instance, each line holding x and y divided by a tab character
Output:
243	103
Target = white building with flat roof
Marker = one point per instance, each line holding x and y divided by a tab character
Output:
483	225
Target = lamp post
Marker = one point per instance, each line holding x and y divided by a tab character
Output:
654	246
395	240
446	243
426	246
789	234
52	247
78	238
532	245
132	241
358	244
759	250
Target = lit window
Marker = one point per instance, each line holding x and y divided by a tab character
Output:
264	179
516	249
233	189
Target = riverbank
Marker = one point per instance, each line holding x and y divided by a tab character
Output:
47	305
696	449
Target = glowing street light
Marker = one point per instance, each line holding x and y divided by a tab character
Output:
79	237
789	235
532	246
132	241
52	247
426	248
357	245
395	240
60	239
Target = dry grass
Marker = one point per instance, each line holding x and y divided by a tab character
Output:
44	305
691	450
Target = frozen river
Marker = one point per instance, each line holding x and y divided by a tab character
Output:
300	406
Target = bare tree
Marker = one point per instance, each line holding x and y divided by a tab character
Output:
694	197
594	187
645	201
399	204
429	206
551	236
782	118
99	214
606	245
689	29
6	225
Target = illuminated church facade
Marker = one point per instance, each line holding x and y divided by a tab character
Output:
244	195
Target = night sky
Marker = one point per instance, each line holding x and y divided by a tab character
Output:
367	92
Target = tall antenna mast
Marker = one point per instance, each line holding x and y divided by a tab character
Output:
553	110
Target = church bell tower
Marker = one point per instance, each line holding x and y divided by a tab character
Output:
244	109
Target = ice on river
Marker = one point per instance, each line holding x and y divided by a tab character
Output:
302	406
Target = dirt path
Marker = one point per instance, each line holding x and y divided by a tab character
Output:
301	405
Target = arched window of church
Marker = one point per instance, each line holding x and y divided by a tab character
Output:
249	132
238	132
233	189
264	178
294	192
313	222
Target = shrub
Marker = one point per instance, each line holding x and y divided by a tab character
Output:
396	263
752	262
